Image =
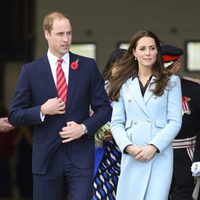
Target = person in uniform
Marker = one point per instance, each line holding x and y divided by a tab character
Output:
184	144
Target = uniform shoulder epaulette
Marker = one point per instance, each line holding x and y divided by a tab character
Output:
196	80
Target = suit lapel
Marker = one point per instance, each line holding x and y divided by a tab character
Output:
73	74
47	74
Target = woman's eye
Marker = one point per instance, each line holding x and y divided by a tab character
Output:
142	49
152	48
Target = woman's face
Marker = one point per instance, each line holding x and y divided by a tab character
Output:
146	52
114	70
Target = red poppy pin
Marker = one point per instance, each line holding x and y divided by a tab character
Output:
74	64
185	105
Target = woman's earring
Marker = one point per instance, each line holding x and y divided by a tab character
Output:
135	58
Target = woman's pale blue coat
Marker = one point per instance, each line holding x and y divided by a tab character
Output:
143	120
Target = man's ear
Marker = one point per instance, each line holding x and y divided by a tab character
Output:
46	34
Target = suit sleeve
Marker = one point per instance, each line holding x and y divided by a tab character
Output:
21	111
100	103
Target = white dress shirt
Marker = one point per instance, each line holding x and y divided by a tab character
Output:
53	64
53	61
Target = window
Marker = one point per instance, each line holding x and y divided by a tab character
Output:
123	45
192	56
84	49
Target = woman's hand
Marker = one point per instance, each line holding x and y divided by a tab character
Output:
133	150
147	153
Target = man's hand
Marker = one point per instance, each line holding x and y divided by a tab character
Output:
5	126
54	106
71	132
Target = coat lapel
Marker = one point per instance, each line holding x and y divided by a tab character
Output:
148	93
136	93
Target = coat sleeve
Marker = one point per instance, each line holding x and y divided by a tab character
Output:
118	122
174	115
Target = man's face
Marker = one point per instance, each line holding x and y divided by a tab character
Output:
60	37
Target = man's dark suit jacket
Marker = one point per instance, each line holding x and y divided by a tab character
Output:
85	88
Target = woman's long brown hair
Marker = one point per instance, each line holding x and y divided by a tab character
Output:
128	66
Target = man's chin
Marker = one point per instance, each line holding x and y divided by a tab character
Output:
63	51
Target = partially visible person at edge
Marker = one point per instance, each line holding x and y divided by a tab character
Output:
146	118
7	150
63	139
184	144
5	126
107	153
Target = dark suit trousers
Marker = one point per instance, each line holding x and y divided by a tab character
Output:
182	182
63	176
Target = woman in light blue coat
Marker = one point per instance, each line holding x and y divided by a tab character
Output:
146	118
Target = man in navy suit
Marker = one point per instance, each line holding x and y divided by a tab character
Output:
63	140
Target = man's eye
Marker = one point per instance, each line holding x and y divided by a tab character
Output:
60	34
